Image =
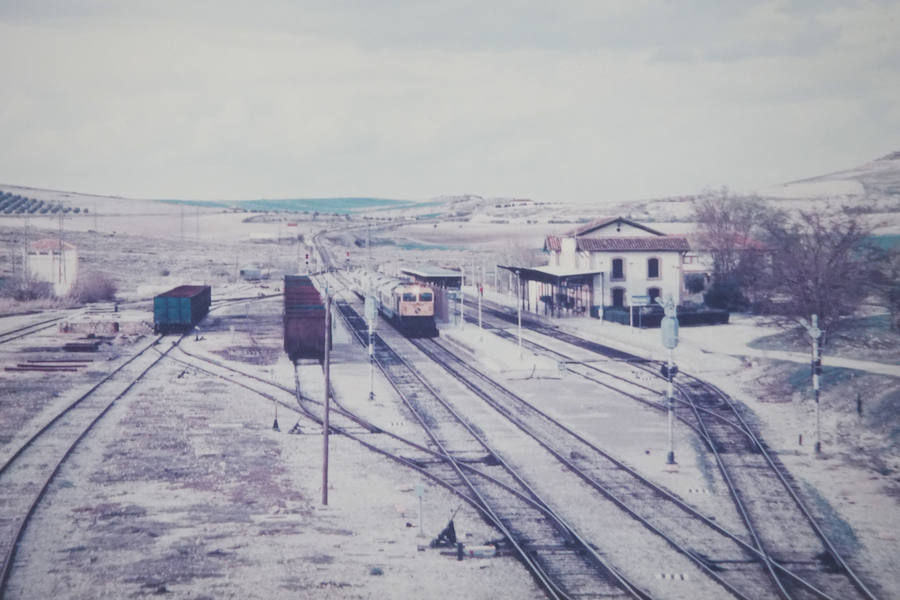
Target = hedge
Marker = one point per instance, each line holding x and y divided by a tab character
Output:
651	316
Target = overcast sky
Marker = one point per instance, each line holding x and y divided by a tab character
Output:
576	101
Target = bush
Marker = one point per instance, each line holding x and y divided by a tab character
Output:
726	294
33	290
649	317
94	287
695	282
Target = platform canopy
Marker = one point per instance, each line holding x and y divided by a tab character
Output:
434	275
553	275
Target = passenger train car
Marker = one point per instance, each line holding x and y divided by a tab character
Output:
409	306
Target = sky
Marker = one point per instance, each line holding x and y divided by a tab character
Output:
586	102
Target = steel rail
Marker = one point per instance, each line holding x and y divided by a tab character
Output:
740	426
345	309
11	555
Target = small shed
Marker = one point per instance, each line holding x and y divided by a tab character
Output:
55	261
251	274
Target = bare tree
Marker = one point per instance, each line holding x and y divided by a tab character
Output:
886	282
729	228
819	263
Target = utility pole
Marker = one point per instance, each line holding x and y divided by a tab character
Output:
519	308
462	298
480	294
62	267
327	367
370	317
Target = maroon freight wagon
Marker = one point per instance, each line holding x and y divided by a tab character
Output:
304	319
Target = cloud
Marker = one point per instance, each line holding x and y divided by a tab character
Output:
588	102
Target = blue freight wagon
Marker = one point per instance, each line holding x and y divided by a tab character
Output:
179	309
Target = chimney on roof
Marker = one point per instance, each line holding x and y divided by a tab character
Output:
567	253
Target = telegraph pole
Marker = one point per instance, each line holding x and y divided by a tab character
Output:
327	398
370	317
462	298
519	309
480	294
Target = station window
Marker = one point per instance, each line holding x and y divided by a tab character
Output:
654	293
618	296
618	269
652	268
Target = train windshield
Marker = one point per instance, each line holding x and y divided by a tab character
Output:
409	297
425	297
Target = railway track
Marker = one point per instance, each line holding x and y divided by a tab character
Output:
803	561
563	562
722	555
427	461
27	474
26	330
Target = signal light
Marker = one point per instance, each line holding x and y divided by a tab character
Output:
665	370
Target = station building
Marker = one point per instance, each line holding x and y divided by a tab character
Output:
612	262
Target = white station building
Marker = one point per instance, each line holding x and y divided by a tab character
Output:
613	262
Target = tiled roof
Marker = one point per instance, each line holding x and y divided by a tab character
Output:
656	243
671	243
607	221
50	244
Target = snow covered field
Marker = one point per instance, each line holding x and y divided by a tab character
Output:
186	490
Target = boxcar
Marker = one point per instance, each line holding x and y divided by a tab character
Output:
304	319
181	308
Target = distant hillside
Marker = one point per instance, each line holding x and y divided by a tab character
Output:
17	204
876	184
326	205
870	188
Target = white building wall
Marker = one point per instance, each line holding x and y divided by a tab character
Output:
59	269
636	281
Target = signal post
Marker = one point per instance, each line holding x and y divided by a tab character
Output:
669	328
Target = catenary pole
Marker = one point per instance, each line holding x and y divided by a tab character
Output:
519	309
327	398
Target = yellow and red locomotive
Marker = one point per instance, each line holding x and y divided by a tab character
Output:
409	306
